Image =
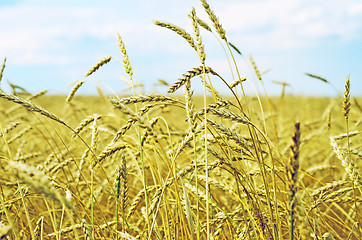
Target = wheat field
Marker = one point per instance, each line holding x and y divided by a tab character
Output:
180	165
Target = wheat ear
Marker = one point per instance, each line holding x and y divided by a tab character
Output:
85	122
2	69
86	230
112	148
356	178
4	231
256	70
126	62
145	98
203	24
31	107
102	62
188	75
199	45
39	181
74	90
292	177
39	94
214	20
179	31
346	99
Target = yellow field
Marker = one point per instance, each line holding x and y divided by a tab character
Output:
159	164
180	166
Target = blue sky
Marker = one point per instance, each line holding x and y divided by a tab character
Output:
52	44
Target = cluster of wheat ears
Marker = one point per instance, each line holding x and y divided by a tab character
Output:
180	167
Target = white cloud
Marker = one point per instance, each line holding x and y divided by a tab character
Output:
277	24
34	31
290	24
